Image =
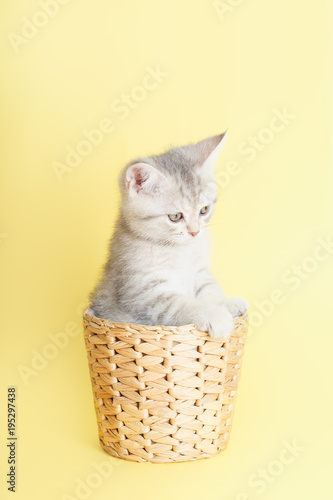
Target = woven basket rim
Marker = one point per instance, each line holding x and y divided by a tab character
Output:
138	328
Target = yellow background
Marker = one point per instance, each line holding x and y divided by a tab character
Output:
231	64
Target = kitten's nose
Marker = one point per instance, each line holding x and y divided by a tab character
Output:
194	234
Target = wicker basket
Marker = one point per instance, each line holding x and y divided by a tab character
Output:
162	394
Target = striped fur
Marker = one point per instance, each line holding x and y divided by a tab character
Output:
157	270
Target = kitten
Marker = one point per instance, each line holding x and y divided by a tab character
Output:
157	270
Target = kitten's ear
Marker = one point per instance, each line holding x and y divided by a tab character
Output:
209	149
143	178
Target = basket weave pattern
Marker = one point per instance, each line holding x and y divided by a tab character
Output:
162	394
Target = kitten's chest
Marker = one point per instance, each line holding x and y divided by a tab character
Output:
178	269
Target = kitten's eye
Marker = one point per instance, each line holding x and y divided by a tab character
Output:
204	210
175	217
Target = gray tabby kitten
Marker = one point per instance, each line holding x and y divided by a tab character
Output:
157	269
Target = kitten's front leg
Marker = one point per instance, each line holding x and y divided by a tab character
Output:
208	290
179	309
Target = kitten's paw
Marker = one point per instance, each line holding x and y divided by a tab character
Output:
237	306
218	322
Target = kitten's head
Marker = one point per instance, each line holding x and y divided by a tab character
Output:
169	198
